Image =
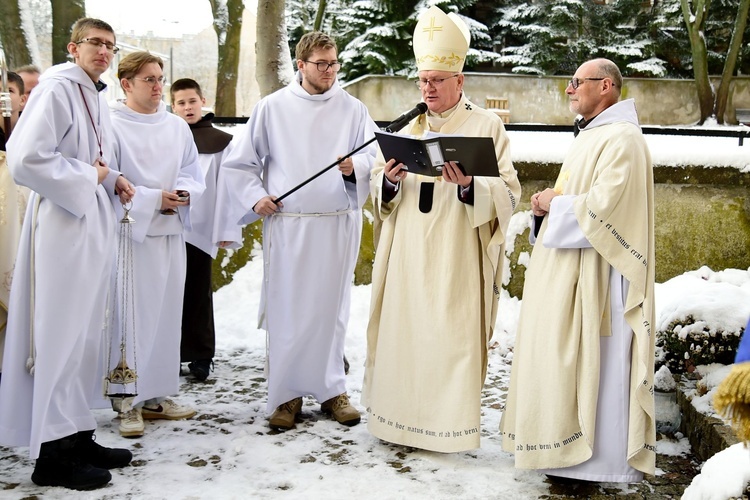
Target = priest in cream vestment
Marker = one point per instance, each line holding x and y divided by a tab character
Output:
13	200
580	403
438	265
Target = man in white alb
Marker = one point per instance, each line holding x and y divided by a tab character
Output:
61	150
311	239
155	149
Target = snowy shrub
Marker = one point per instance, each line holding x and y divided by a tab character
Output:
700	317
686	343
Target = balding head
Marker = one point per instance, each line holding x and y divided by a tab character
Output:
607	69
595	86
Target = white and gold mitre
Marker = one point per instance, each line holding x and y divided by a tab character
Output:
440	41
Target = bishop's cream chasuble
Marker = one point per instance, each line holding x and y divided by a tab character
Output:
435	289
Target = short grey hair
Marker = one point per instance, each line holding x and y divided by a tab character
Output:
608	69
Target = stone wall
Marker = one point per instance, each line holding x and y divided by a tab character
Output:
702	213
702	218
708	435
535	99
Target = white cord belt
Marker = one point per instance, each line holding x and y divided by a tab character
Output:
267	255
320	214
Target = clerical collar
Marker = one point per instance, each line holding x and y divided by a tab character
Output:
581	123
437	120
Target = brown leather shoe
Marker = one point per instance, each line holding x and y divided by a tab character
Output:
283	418
341	410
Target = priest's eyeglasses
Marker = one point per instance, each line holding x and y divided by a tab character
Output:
323	66
151	80
576	82
435	82
111	47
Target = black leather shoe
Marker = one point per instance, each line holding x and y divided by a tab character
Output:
59	464
200	368
99	456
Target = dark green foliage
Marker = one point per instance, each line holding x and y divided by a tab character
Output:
545	37
381	43
670	39
700	346
643	38
719	27
555	37
374	36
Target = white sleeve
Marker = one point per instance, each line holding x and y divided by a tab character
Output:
563	230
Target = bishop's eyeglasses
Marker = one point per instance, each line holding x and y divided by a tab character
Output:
435	82
323	66
576	82
111	47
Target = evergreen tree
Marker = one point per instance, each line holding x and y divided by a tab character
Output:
300	19
719	28
555	36
374	36
382	39
543	37
536	36
669	37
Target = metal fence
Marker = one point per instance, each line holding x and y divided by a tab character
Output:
740	132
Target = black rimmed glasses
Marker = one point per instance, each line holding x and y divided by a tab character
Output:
323	66
152	80
435	82
111	47
576	82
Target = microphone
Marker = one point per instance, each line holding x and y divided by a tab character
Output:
402	120
395	125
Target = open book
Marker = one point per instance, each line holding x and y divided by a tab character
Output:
475	155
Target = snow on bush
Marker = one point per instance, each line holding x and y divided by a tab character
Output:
700	318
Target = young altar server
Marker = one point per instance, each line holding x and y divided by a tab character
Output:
62	150
155	149
311	239
198	335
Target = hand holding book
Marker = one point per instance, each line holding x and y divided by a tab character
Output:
473	155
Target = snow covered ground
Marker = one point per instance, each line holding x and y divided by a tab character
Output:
227	451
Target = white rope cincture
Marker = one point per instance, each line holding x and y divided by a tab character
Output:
267	255
31	360
267	261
